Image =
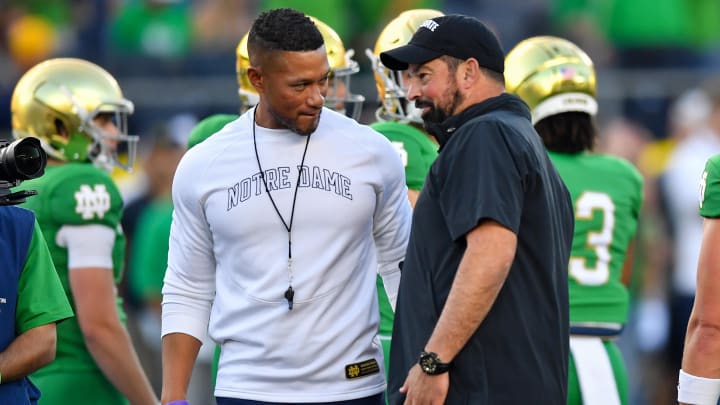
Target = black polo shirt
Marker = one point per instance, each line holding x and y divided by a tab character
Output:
494	166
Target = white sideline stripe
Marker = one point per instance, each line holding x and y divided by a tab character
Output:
594	371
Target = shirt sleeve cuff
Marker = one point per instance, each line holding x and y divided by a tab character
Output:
184	318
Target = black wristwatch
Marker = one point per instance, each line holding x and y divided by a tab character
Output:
430	364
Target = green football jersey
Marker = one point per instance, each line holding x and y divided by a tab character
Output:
75	194
202	131
710	189
606	193
416	150
417	153
208	126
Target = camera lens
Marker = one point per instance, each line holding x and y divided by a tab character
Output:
28	159
22	160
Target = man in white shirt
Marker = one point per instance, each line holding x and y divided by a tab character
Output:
281	221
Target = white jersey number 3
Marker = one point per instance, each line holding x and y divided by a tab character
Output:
599	242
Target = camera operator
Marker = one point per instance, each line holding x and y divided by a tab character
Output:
32	300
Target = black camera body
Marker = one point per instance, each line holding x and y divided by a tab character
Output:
20	160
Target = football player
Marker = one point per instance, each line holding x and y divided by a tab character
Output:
78	111
699	381
398	119
400	122
557	81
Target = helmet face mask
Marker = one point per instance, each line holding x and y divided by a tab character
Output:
114	149
552	75
339	97
391	89
342	66
60	102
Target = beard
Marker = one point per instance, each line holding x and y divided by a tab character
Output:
294	124
438	113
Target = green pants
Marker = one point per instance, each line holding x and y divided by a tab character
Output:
214	366
618	366
386	321
76	388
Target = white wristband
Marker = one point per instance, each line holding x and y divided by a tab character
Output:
698	390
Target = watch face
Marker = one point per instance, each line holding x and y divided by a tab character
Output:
431	364
428	363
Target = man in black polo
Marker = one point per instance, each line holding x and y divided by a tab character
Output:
482	312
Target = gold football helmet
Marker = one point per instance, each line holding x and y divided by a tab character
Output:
552	75
248	95
66	94
342	65
391	91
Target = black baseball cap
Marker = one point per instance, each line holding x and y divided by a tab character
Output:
455	35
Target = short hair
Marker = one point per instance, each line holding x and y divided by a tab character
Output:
453	63
569	132
493	75
283	29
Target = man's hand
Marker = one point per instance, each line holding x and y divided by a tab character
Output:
423	389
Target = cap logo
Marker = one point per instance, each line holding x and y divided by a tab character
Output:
429	24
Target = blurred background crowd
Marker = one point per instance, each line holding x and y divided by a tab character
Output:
658	64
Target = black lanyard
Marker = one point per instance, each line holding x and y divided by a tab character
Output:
289	293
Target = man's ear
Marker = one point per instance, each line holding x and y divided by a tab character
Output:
256	78
469	72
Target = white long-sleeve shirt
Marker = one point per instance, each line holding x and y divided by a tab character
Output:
228	269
